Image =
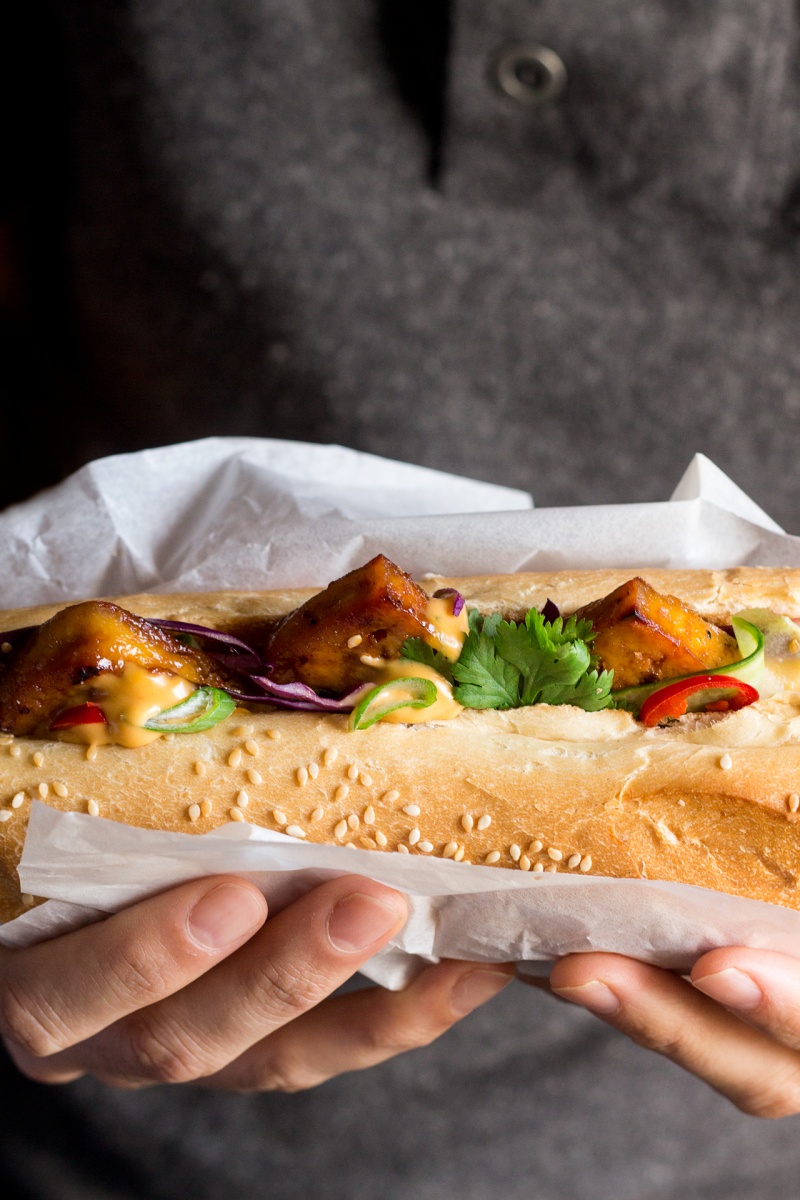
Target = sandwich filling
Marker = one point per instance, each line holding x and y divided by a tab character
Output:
376	646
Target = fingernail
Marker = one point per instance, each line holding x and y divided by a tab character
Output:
732	988
225	915
597	997
359	920
476	988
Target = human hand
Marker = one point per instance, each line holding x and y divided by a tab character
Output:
196	985
735	1024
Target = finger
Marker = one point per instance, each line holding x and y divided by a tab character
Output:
60	992
540	982
760	986
666	1014
299	957
349	1033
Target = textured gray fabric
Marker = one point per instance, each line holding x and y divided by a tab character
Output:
297	217
526	1099
588	295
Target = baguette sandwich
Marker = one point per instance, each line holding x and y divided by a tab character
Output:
584	721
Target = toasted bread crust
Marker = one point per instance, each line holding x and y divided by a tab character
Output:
598	789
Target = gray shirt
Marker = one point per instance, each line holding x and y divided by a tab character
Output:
330	221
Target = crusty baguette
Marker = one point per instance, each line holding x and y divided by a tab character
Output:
712	801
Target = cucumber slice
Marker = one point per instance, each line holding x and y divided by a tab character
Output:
390	696
205	707
781	650
781	634
749	668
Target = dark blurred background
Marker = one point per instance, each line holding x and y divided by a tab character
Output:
375	225
40	379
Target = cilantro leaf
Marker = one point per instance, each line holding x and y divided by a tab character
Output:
491	623
419	651
510	664
560	632
546	661
593	691
484	679
475	620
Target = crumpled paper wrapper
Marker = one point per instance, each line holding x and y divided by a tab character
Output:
248	513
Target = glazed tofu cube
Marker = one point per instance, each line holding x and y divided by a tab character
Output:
645	636
77	644
368	613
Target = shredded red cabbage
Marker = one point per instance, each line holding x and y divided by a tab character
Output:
551	612
238	648
244	661
298	696
458	599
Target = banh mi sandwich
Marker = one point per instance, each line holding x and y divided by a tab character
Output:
595	722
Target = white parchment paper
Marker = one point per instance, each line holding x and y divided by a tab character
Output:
248	513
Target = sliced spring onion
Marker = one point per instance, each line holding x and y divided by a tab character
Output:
205	707
388	697
781	634
298	696
748	669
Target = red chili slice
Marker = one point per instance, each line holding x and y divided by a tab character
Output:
81	714
723	693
